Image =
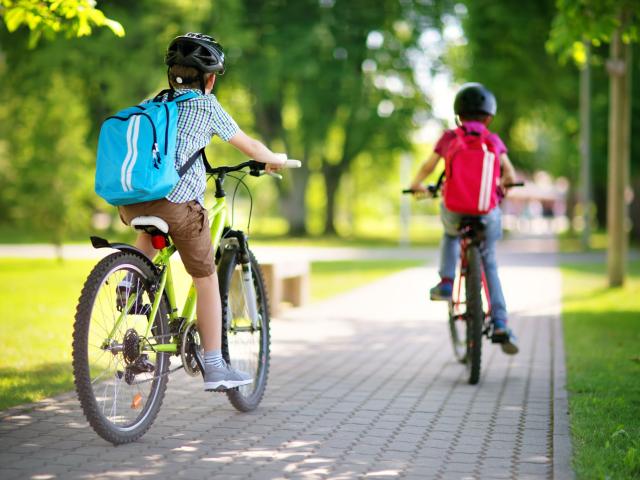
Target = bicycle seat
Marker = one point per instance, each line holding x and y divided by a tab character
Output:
151	225
473	227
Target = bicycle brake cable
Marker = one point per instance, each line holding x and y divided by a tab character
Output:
233	199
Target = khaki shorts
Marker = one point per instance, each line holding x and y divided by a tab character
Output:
188	227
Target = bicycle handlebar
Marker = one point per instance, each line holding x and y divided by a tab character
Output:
434	189
256	168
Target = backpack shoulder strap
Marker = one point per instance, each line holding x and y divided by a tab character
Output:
185	96
172	97
192	159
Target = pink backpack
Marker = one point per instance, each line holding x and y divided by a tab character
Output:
472	173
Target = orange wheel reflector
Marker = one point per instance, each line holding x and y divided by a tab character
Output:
137	401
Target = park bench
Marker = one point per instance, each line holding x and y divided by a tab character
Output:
287	280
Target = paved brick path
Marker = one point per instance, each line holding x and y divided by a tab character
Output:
361	386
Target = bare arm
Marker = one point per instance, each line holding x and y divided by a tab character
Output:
425	170
508	172
257	150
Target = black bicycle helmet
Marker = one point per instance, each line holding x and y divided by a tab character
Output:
474	99
196	50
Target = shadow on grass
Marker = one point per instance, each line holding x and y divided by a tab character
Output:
19	386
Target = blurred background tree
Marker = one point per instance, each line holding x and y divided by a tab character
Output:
342	85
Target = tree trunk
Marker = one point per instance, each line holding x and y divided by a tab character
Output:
634	209
585	149
619	120
331	174
293	203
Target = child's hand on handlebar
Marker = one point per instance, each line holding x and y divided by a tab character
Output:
275	163
419	190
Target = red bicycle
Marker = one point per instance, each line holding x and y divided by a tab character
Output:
470	305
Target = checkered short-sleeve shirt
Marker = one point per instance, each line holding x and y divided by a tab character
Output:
199	119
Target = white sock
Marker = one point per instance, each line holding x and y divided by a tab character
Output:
213	358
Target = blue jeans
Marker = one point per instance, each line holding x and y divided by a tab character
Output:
450	251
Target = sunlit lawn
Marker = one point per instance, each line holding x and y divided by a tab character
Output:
602	335
572	241
39	300
332	278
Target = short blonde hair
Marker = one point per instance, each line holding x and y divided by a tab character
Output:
181	76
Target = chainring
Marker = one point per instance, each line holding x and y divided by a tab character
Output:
189	344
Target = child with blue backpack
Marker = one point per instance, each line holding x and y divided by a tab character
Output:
472	192
194	60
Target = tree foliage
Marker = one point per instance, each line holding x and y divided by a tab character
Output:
75	18
593	21
537	98
343	88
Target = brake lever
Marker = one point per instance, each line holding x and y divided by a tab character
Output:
274	175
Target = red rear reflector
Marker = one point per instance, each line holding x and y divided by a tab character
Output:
158	242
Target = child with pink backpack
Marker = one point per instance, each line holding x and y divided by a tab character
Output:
476	165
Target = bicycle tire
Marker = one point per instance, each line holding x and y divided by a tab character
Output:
474	313
242	347
118	378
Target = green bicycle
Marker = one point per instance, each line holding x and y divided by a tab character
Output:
127	326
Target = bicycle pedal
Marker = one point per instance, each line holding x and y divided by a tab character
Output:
218	389
499	338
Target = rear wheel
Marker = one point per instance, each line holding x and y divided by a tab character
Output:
474	314
119	386
245	346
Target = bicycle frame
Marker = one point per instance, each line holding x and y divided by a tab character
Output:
218	221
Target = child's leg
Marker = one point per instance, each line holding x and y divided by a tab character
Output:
493	234
143	243
209	312
450	246
449	252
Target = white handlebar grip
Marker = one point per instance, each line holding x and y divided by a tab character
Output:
291	163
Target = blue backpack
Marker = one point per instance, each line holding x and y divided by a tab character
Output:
136	152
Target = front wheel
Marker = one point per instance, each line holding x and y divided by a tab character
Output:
474	314
245	344
119	378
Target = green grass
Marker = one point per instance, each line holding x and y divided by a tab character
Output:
602	335
332	278
569	242
40	297
39	300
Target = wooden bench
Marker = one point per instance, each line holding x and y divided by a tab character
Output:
286	281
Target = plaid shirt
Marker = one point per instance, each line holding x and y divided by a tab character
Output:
199	119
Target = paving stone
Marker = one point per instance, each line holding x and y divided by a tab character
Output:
340	403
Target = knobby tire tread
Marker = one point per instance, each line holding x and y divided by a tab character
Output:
227	266
475	313
82	377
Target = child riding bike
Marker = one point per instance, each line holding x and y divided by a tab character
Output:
194	60
474	107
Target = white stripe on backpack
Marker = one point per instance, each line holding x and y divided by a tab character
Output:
123	169
484	198
134	157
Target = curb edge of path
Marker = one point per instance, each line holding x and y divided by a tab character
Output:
561	434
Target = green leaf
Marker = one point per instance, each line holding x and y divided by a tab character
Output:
14	17
116	27
34	37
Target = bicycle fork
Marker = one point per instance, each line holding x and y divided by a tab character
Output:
237	241
250	293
